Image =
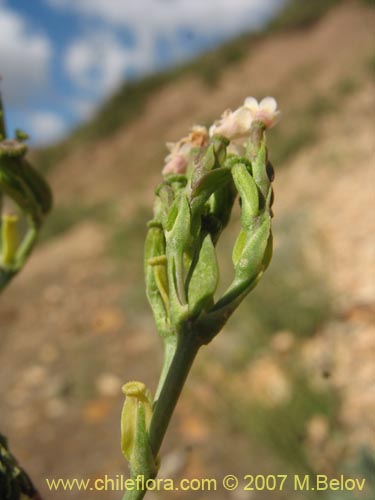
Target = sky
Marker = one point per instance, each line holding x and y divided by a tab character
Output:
59	59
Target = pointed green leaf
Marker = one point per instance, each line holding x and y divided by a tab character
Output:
204	278
248	192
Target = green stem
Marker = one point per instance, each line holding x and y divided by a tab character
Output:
187	348
27	245
169	352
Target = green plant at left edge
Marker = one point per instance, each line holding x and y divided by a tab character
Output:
25	201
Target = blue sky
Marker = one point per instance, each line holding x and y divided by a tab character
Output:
59	59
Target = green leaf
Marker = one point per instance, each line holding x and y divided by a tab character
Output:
259	167
204	279
37	184
177	244
209	183
248	192
250	262
18	189
239	246
156	278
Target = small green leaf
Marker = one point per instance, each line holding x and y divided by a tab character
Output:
204	278
250	262
259	166
203	163
248	192
154	249
238	247
177	245
209	183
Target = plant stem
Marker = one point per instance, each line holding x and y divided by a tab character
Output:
169	352
187	348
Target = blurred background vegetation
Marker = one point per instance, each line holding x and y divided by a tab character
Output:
288	386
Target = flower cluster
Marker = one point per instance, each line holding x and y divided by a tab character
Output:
234	125
237	124
179	152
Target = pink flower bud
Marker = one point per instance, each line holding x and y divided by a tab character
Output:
175	164
178	159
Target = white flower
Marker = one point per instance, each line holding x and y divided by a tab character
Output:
265	111
237	124
232	124
179	152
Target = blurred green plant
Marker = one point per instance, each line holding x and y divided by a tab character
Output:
15	484
29	193
24	194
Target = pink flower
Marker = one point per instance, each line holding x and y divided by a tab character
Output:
265	111
233	124
176	163
179	152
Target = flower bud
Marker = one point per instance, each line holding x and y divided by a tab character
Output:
136	414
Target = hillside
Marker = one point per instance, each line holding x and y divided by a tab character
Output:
289	383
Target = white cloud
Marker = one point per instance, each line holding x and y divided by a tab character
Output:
24	57
216	16
46	127
96	62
